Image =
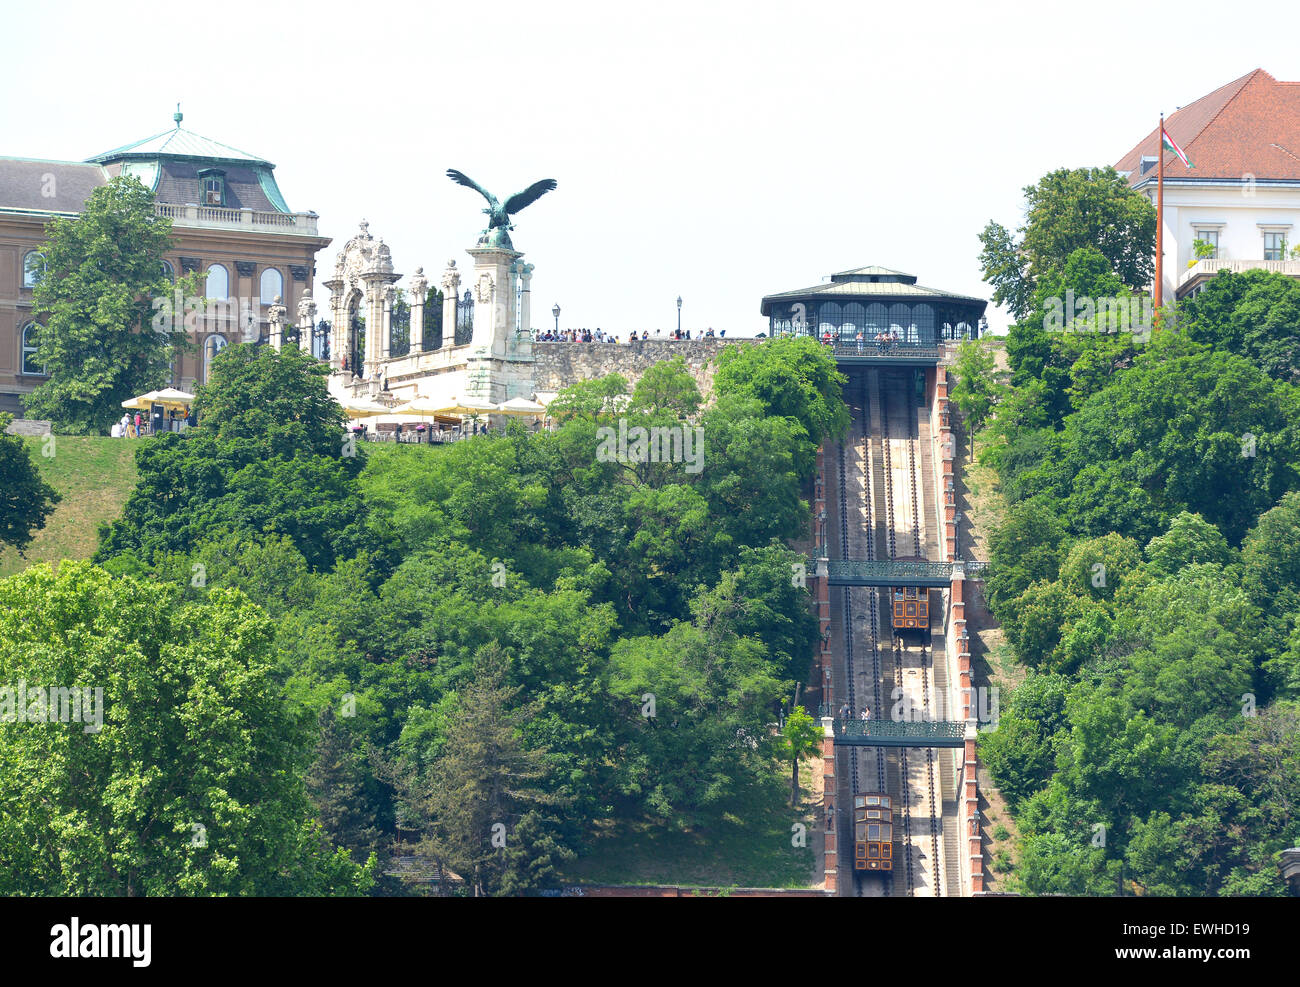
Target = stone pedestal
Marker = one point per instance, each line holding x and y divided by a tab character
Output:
494	298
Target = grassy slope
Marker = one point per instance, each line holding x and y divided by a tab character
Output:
993	664
750	848
94	475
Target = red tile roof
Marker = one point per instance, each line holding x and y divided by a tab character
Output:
1250	126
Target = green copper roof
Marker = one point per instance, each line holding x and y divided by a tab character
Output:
179	143
272	190
874	270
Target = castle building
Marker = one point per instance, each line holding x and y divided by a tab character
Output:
229	221
1241	196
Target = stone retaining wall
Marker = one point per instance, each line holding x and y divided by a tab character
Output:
558	365
28	426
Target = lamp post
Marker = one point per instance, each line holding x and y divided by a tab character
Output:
322	334
679	315
555	311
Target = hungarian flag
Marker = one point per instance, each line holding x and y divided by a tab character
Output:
1171	146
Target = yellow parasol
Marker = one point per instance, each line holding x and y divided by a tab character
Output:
521	406
169	397
364	408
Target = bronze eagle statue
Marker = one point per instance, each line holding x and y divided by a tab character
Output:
498	213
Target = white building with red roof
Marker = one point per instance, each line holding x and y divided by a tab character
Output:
1241	194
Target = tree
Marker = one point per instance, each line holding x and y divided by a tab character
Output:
26	500
793	378
977	388
1020	753
696	703
1185	428
1255	314
472	801
667	386
1069	209
336	784
182	775
269	456
103	338
593	399
1004	268
750	477
1023	549
1189	539
278	403
802	739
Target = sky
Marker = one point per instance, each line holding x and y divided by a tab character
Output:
718	151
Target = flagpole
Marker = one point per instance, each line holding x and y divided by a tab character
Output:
1160	218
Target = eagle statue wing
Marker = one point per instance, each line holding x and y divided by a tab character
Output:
460	178
530	195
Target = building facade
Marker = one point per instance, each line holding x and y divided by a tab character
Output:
1241	197
229	221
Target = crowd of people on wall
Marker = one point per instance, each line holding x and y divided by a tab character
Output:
600	336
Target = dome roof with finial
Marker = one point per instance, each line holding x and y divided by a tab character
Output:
174	163
178	143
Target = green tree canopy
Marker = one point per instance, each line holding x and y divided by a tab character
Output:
102	338
26	500
269	457
193	782
1255	314
1067	210
792	378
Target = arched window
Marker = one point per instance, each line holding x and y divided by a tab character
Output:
855	317
829	317
218	282
213	345
877	319
33	268
29	365
900	320
923	316
169	272
272	286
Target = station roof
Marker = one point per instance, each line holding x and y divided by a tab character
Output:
870	284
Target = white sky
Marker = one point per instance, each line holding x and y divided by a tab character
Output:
720	151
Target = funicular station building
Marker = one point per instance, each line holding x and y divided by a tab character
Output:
899	713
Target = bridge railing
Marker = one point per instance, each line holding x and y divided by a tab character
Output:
872	572
896	733
869	571
869	348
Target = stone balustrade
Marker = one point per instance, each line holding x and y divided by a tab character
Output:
212	217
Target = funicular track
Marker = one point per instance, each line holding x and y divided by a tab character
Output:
917	781
881	491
